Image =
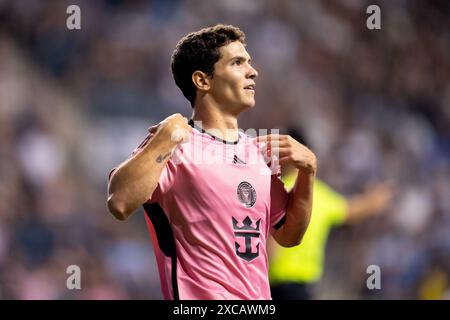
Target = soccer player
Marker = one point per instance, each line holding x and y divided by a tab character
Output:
210	205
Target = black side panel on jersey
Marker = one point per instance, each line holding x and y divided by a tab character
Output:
166	240
280	223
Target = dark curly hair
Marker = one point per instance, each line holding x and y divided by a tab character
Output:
200	51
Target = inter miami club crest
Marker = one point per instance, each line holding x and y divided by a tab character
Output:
246	194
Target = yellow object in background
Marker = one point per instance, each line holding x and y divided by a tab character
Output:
304	263
434	286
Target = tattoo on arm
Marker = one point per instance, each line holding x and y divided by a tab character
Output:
161	157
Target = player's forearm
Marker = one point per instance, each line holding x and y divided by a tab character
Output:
298	212
134	181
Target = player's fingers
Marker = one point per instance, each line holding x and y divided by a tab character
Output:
279	144
270	150
275	141
268	146
282	152
268	137
287	153
180	135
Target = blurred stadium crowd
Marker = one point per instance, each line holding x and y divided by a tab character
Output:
374	104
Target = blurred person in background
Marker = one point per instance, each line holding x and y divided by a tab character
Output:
295	271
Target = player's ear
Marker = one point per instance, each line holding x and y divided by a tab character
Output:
201	80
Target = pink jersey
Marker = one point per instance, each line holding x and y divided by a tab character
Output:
210	216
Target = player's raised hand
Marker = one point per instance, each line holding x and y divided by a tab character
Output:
289	151
174	127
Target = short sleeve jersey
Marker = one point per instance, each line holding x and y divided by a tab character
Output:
210	216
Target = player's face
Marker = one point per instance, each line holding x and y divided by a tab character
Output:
232	84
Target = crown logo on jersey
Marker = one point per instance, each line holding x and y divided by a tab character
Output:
246	231
247	224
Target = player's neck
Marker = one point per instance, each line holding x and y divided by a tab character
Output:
225	125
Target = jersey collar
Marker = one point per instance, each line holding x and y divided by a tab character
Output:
193	125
